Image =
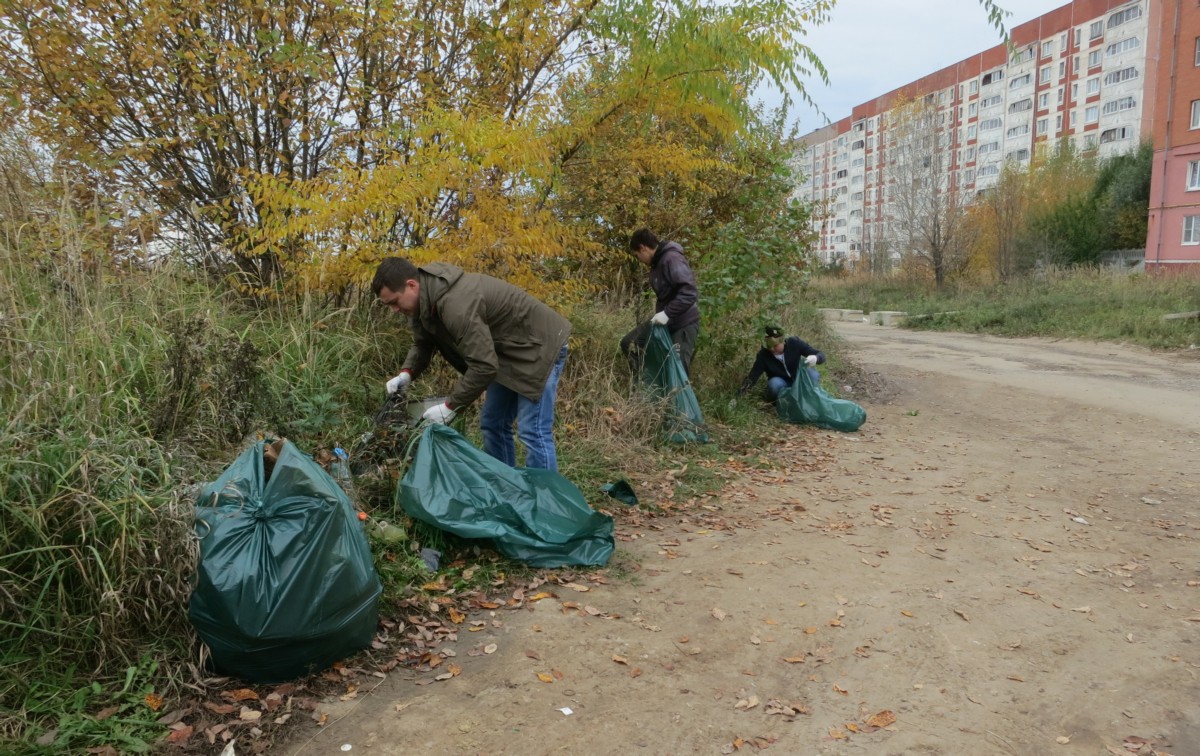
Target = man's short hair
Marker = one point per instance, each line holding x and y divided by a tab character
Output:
392	273
643	237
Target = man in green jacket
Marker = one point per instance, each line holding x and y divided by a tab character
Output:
497	336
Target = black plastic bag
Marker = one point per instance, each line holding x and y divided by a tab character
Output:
286	585
807	403
536	516
663	372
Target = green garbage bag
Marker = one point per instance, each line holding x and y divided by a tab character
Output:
664	373
286	585
536	516
807	403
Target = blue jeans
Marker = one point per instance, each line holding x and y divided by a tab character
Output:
776	386
535	422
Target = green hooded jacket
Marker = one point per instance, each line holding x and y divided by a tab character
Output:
488	329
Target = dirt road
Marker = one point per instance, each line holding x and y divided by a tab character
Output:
1002	561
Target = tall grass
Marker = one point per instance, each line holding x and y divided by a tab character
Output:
1081	303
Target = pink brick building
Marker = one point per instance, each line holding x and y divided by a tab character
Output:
1173	240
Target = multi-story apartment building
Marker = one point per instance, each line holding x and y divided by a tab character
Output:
1173	239
1080	72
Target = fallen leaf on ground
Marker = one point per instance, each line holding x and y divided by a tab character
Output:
719	614
544	677
962	614
882	719
620	659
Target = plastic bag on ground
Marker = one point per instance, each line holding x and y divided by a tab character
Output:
535	516
807	403
663	372
286	585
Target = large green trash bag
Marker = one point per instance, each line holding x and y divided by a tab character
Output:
286	585
806	402
664	373
535	516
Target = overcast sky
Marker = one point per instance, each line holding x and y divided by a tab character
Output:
870	47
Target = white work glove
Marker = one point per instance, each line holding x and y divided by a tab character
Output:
399	382
660	318
439	413
810	360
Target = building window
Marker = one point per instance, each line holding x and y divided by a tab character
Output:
1062	68
1091	115
1019	155
1043	125
1062	42
1017	131
1096	30
970	155
1020	81
1198	51
988	170
1089	141
972	110
987	102
993	77
1021	106
1047	48
973	87
1116	106
1093	85
971	132
1129	43
1094	58
969	176
1074	91
1193	177
989	147
1191	229
1122	16
1075	64
1043	100
1044	75
995	123
1195	114
1125	74
857	145
1058	123
1078	37
1115	135
1060	95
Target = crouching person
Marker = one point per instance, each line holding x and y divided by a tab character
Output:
781	359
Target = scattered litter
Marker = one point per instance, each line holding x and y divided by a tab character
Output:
1080	520
346	746
1148	500
431	558
566	710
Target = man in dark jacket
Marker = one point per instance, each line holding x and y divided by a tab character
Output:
676	295
497	336
780	359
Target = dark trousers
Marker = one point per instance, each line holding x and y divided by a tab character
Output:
684	340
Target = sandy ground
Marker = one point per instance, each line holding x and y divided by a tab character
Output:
1002	561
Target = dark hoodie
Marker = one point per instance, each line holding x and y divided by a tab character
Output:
674	286
794	350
